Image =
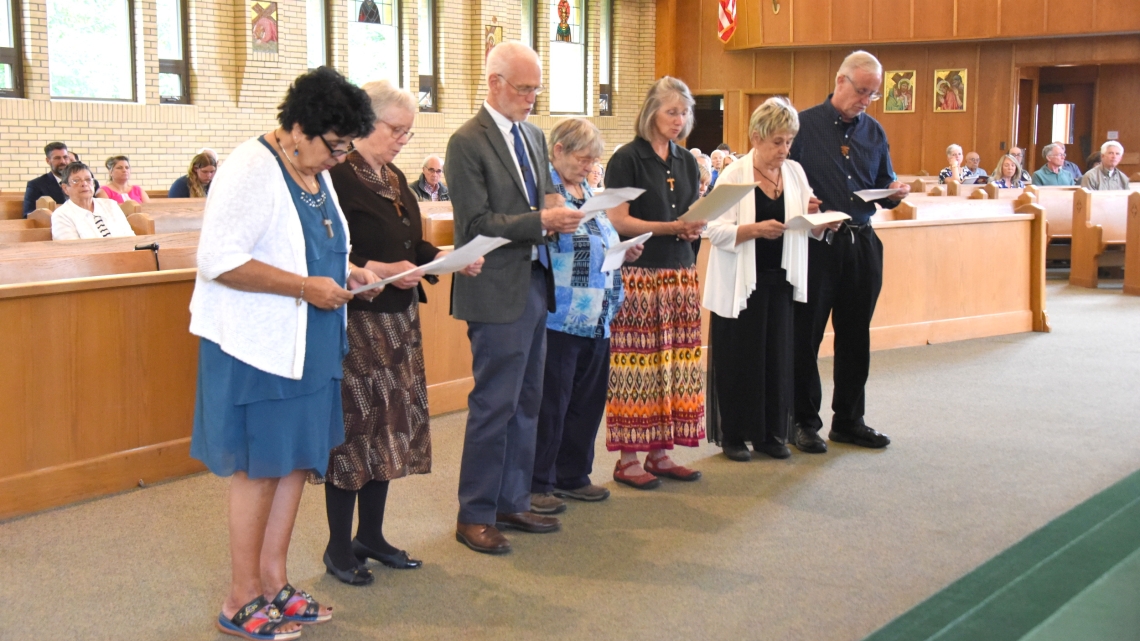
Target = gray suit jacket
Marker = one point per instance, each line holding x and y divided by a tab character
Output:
489	198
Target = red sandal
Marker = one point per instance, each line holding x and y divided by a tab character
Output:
257	620
299	606
643	481
677	472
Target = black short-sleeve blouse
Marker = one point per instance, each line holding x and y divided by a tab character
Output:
671	187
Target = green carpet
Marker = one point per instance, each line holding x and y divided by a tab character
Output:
1076	578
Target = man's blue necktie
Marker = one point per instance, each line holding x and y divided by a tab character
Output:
531	186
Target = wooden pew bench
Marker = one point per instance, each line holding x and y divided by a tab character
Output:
1058	205
945	207
1099	232
438	222
15	268
167	216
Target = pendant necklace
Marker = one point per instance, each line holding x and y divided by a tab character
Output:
776	184
316	201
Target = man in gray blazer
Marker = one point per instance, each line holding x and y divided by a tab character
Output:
497	170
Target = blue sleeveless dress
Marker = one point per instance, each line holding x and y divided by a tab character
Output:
265	425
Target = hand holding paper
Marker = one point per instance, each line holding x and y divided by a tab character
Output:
719	200
874	194
608	199
465	255
615	255
808	221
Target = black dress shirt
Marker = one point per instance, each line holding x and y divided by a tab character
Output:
637	165
769	251
841	158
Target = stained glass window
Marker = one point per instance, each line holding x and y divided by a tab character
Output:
317	34
567	57
89	49
373	41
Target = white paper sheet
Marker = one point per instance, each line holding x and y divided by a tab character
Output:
607	199
615	255
391	279
807	221
874	194
475	249
719	200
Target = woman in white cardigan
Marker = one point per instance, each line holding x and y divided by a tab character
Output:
757	267
269	306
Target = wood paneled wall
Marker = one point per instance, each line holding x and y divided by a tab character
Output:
919	139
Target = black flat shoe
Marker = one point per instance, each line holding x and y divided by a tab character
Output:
775	450
399	560
808	441
358	575
737	453
860	435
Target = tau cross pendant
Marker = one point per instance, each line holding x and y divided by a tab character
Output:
845	149
328	226
670	181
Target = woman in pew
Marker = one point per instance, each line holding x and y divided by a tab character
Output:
757	267
955	170
269	306
120	187
1008	173
83	215
196	182
385	389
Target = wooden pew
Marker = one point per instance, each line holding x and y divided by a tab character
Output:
25	235
438	223
46	202
168	216
11	209
1100	220
946	207
1058	205
42	269
19	223
1132	239
54	248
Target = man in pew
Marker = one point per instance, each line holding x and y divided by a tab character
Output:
842	150
1106	176
1018	154
430	186
83	215
57	157
1053	174
974	163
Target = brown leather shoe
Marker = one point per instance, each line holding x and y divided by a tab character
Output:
482	538
528	522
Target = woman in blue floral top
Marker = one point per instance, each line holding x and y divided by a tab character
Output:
1008	173
578	333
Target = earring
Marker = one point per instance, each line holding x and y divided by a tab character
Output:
296	148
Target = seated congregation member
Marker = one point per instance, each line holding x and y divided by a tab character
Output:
1008	173
83	215
1093	160
577	332
1107	175
57	156
756	269
430	185
196	182
956	169
384	391
1053	173
1071	166
594	178
706	180
120	188
656	398
269	306
1018	154
974	163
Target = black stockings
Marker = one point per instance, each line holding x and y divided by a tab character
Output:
372	499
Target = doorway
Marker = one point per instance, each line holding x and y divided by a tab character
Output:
1067	91
708	132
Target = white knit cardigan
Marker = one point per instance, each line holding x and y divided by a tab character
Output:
250	215
731	275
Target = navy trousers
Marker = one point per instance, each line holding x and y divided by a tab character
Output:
573	405
498	447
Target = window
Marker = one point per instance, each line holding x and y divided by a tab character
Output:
427	97
316	18
11	69
373	41
529	19
173	61
567	58
90	49
605	60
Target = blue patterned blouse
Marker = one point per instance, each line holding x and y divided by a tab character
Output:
586	297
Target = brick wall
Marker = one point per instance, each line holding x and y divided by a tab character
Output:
236	91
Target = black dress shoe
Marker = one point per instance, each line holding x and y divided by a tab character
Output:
775	450
737	452
808	441
358	575
860	435
399	560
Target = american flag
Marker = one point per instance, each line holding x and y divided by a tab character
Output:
726	20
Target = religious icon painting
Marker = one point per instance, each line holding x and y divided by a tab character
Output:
263	20
492	35
949	90
899	94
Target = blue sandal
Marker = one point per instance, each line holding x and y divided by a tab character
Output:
299	606
257	620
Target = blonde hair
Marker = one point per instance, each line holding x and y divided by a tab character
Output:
197	189
383	94
663	90
774	116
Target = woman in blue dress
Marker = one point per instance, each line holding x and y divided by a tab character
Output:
269	306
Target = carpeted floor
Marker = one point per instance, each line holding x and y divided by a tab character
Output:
993	439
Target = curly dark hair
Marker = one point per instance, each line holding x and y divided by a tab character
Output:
322	100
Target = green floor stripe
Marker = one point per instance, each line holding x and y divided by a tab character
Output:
1053	556
1105	611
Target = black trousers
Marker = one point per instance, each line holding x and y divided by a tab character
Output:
844	280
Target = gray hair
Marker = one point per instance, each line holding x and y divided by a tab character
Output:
860	60
1112	143
429	157
74	168
1050	148
577	135
776	114
663	90
505	54
1001	161
952	148
384	94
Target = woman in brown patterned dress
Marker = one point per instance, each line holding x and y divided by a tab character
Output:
384	391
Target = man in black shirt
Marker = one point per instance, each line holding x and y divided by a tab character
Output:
842	150
48	184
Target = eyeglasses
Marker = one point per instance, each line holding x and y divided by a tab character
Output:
525	90
863	93
400	132
584	161
337	153
81	181
429	170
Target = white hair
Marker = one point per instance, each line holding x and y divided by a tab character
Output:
429	157
860	60
952	148
1111	143
383	94
505	55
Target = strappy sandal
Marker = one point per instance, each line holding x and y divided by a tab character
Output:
643	481
677	472
299	606
257	620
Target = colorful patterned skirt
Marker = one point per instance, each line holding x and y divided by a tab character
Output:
656	396
385	401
